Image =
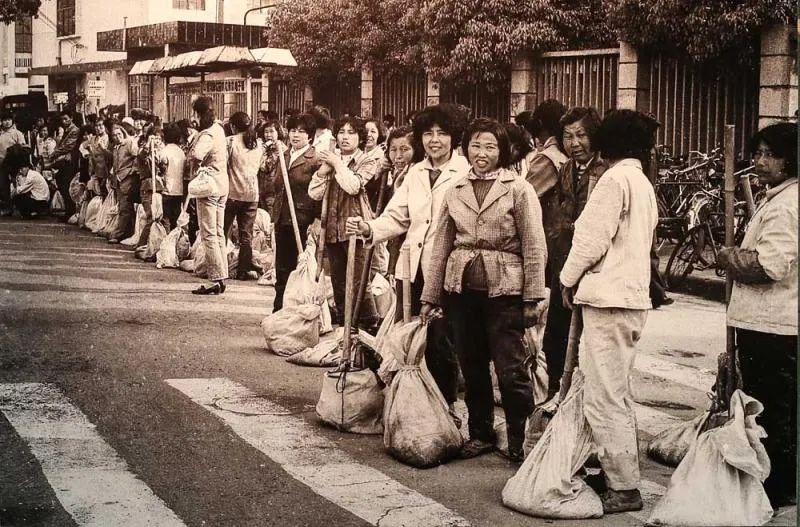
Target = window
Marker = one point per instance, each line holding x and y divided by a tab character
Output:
252	4
198	5
65	18
140	92
23	37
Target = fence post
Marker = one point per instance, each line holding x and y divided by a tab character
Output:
431	91
632	88
366	91
522	72
778	78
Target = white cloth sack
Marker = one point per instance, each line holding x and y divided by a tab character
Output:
174	248
112	216
545	485
141	219
327	353
302	288
671	445
157	235
720	481
93	213
57	202
352	401
418	429
203	185
157	206
73	220
292	329
382	291
76	190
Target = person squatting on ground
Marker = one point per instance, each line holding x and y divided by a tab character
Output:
301	163
413	211
210	150
30	193
607	273
763	304
575	178
244	160
343	176
489	256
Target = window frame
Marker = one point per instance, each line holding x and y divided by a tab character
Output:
189	5
23	40
66	25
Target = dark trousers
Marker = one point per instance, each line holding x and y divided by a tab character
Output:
556	335
65	172
285	259
337	258
769	373
127	192
172	209
194	225
5	187
26	205
492	329
440	352
244	212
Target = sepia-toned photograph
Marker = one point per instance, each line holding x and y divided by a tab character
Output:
398	263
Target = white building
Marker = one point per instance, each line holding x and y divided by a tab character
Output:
76	41
15	57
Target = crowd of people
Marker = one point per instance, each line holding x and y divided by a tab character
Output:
493	215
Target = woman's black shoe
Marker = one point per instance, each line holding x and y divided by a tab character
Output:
217	289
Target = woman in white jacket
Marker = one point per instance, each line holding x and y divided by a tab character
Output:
609	264
413	211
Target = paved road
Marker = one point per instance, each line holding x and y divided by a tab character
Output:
124	400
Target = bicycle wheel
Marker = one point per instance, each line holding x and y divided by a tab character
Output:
691	252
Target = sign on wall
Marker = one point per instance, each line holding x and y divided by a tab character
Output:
95	89
60	97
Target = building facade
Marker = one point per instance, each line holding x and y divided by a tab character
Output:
76	42
15	57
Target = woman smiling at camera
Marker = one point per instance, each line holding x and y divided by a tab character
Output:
488	259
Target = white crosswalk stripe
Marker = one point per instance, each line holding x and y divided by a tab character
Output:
90	480
313	460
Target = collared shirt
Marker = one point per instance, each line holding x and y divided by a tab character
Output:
295	154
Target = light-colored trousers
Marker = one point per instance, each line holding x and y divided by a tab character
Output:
211	220
607	352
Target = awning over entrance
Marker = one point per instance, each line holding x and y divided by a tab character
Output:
220	58
183	34
83	67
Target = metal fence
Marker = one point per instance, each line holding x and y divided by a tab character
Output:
229	96
398	95
693	103
483	100
577	78
284	95
140	92
339	96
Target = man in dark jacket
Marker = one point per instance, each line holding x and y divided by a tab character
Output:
65	158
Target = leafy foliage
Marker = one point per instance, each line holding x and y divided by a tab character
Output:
476	40
11	10
721	30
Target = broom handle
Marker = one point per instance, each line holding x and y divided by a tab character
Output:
729	188
573	343
348	302
405	254
323	227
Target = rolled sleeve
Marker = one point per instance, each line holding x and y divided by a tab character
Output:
777	242
594	230
353	181
528	217
316	188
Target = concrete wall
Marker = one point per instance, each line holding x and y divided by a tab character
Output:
778	76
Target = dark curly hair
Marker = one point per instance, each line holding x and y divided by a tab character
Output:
306	121
781	138
544	119
626	134
204	106
588	116
357	124
484	124
447	116
397	133
520	141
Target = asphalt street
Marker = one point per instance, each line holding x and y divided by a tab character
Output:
125	400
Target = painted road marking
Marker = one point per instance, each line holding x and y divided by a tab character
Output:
313	460
90	480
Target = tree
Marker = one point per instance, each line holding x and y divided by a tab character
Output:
466	41
705	30
12	10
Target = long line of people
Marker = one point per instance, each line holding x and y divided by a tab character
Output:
493	215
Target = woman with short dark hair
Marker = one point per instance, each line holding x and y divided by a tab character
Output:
487	270
763	304
301	163
609	265
209	150
343	177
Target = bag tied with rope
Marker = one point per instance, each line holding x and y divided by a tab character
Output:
292	329
418	429
352	401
